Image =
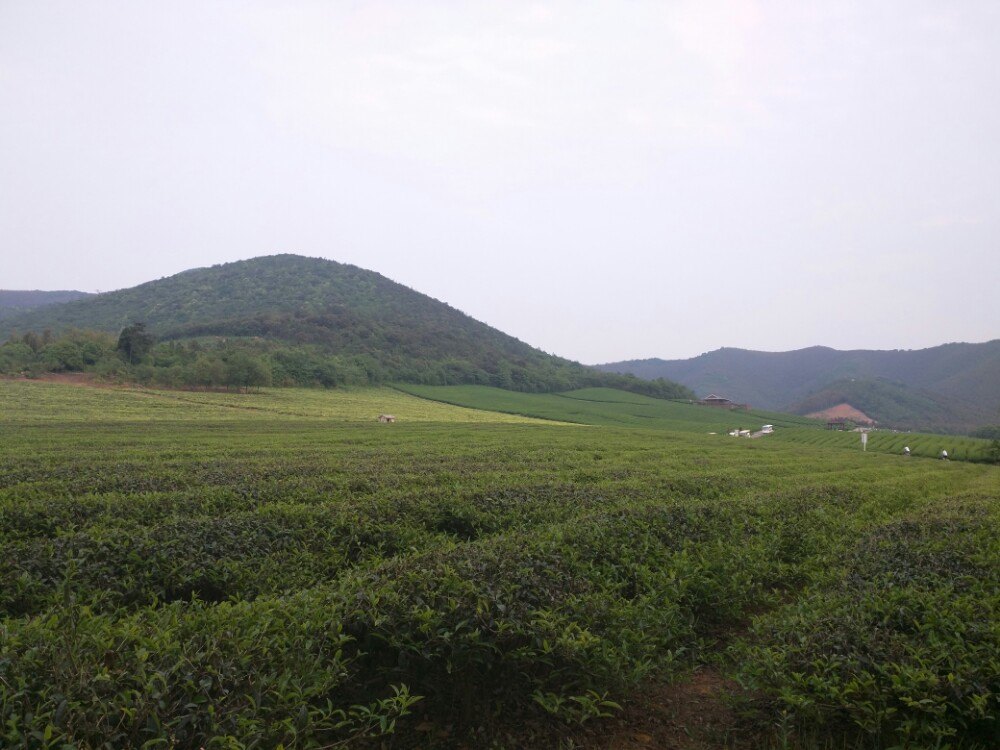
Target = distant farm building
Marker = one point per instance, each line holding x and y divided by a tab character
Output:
720	402
385	418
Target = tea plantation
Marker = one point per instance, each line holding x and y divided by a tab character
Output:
279	570
608	407
958	447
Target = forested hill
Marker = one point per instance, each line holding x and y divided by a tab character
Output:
16	301
899	406
360	321
965	376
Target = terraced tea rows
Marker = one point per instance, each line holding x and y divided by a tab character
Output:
607	407
929	446
235	577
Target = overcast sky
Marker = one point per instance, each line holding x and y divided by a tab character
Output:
602	180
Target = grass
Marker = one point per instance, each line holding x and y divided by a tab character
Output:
182	570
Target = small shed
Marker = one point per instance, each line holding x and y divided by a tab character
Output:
712	400
721	402
386	418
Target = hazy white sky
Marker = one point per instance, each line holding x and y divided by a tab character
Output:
602	180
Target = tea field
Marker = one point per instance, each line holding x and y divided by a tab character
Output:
959	447
607	407
279	570
32	402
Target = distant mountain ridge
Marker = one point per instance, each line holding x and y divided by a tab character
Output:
368	321
895	405
16	301
952	386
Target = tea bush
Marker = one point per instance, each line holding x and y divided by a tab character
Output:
905	645
271	579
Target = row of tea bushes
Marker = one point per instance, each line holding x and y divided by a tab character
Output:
189	585
554	618
903	646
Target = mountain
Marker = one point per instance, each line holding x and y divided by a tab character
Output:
14	302
944	386
287	307
893	404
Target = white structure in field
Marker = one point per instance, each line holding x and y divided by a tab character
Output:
767	429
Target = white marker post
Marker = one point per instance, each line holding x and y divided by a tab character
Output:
864	441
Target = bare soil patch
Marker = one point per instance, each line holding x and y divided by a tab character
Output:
691	714
841	411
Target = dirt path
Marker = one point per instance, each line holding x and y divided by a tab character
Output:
691	714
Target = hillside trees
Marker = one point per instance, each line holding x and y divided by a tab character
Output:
315	322
134	343
246	363
15	357
245	371
74	351
993	451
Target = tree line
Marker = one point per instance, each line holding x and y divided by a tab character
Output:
248	363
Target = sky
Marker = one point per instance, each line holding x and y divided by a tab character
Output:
604	180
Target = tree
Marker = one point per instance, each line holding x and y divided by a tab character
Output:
64	355
993	451
32	341
245	372
206	370
134	343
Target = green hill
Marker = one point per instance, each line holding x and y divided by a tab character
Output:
317	320
893	405
15	301
953	386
